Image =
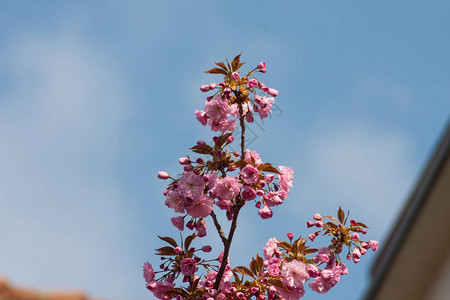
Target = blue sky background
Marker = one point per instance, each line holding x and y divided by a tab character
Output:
97	96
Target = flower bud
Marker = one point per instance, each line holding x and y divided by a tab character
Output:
262	66
374	245
356	255
355	237
212	86
201	143
310	224
188	168
290	235
317	217
204	88
184	161
206	248
178	250
312	236
319	224
235	75
272	92
352	222
163	175
252	83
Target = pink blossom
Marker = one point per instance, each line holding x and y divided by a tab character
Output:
270	248
272	92
265	212
201	207
252	83
312	236
163	175
286	178
262	66
313	271
204	88
188	266
217	110
374	245
201	228
264	106
356	255
212	86
252	155
227	188
272	199
223	126
235	110
249	174
291	294
273	269
175	200
294	274
235	75
191	184
178	222
159	289
248	194
269	178
355	236
149	274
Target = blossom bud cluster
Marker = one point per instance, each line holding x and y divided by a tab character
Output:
348	236
233	99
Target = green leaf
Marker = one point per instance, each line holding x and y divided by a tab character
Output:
168	240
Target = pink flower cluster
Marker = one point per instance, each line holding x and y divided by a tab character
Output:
228	180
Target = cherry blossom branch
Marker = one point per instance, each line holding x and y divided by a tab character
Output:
238	204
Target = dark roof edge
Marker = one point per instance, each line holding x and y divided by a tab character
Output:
410	211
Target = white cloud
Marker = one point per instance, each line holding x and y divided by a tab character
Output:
63	223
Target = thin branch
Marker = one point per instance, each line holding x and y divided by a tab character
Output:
219	228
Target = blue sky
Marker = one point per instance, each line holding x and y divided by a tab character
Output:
97	96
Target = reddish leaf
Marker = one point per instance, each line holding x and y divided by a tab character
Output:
278	283
309	251
216	71
236	61
243	270
165	251
206	149
168	240
222	65
188	241
332	219
361	224
341	215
